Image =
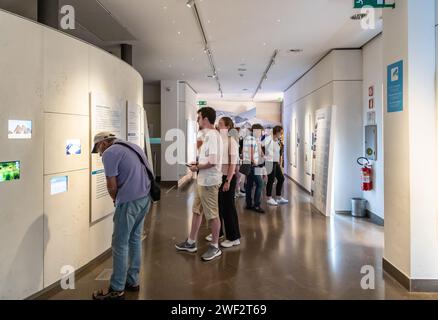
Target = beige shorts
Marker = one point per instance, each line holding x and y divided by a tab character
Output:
206	201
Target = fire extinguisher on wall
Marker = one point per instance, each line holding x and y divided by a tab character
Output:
367	174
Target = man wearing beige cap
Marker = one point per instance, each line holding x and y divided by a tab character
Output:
128	183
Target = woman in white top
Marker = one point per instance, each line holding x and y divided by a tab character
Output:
227	191
272	156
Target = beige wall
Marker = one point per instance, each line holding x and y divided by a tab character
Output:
270	111
50	77
410	137
335	82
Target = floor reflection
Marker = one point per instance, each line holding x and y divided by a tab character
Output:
290	252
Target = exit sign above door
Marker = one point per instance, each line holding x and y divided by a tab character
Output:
359	4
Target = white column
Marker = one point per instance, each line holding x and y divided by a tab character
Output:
411	192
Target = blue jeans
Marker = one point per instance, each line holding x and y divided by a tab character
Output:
250	181
126	243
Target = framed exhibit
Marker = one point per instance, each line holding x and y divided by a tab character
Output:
19	129
73	147
308	144
321	159
106	114
58	185
133	116
10	171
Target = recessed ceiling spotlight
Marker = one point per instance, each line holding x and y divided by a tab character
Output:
164	8
190	3
179	33
358	16
278	20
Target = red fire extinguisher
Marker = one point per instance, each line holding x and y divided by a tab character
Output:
367	174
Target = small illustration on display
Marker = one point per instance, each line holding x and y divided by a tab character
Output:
9	171
58	185
19	129
73	147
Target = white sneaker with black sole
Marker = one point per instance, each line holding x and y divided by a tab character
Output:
230	244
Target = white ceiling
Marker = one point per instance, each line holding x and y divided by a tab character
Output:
170	46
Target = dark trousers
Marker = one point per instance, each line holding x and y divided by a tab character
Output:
276	173
250	181
227	210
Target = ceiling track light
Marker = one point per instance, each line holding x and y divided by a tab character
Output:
207	50
265	74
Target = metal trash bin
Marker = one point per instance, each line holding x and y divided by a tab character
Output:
358	207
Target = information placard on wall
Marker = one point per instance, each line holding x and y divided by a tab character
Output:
395	87
106	114
321	159
133	114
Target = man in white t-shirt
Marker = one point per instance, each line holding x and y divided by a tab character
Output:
253	154
209	168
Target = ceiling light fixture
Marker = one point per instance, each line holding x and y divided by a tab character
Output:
207	50
265	74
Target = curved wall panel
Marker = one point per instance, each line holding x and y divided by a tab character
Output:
47	77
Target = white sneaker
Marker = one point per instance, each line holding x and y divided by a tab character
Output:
209	238
282	201
272	202
229	244
240	195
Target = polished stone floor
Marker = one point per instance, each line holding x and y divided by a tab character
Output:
290	252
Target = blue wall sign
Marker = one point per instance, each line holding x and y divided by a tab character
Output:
395	87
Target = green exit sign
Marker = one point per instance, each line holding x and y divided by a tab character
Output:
359	4
202	103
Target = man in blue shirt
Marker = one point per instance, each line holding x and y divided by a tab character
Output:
129	186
